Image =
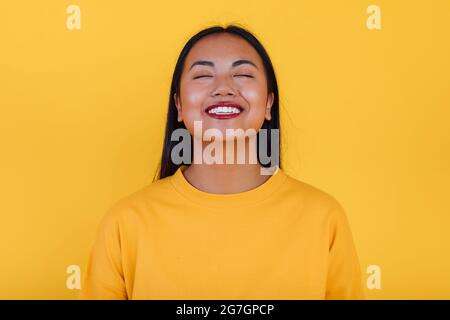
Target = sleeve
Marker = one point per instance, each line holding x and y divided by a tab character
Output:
103	278
344	278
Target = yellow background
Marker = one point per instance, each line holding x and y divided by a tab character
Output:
365	117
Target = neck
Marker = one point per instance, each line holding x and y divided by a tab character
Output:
225	178
228	176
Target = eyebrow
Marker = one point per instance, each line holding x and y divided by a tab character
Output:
211	64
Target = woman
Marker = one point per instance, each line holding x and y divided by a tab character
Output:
227	229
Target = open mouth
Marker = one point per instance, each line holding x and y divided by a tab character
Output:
224	110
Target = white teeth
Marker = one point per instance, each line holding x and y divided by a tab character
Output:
224	110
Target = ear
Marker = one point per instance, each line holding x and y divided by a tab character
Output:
270	99
178	106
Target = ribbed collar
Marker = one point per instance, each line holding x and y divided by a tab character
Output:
240	199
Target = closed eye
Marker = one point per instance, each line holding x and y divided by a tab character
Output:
244	75
202	76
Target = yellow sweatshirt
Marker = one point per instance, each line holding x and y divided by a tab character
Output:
284	239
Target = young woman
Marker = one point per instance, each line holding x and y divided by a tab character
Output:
231	229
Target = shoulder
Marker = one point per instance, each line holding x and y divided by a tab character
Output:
313	198
319	206
137	203
310	193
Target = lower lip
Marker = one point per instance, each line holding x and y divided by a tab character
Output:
223	116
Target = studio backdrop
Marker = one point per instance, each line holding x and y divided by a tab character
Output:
364	103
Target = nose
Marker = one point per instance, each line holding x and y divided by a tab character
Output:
223	88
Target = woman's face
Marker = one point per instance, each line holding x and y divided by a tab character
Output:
223	85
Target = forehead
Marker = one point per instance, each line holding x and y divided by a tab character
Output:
222	48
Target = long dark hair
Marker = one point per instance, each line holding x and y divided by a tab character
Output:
166	166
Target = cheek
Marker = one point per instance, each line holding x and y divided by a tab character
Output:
192	97
255	94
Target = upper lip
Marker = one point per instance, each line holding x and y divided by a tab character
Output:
224	103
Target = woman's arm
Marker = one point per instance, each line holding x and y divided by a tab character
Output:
104	278
344	279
